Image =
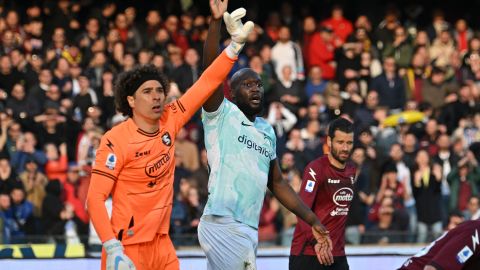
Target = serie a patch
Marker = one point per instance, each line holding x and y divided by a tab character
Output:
310	185
111	161
464	255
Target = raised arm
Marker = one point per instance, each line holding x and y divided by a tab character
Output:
210	49
214	75
287	196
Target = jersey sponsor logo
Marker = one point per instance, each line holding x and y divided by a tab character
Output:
152	169
343	197
310	185
464	255
111	161
333	181
166	139
142	153
250	144
339	211
246	124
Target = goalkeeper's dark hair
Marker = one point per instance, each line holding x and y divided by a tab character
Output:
128	83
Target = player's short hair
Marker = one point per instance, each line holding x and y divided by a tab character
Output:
340	124
239	77
128	82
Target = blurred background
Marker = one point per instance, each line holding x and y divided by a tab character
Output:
406	72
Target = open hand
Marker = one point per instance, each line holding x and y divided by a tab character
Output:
237	30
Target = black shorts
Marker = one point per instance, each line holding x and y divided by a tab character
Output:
304	262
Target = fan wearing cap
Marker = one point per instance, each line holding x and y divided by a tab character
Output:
135	162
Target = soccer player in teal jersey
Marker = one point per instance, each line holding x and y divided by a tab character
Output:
241	151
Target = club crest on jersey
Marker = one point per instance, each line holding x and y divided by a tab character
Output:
310	185
166	139
111	161
464	255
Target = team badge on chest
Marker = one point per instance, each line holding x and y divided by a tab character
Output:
166	139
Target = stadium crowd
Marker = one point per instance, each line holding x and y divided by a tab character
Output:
416	176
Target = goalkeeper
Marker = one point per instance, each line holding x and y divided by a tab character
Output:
241	151
135	163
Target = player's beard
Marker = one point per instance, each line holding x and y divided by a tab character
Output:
249	110
336	155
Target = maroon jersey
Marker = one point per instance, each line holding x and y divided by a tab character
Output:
455	250
328	191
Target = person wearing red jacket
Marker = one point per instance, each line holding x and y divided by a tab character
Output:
321	52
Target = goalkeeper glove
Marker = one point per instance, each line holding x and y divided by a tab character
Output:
116	259
237	30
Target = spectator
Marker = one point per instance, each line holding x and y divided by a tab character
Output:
20	213
153	23
463	179
389	86
9	76
26	150
436	90
85	98
282	121
37	93
362	200
296	145
315	84
473	209
188	150
384	34
309	29
34	182
188	73
6	224
55	213
400	49
19	106
129	35
462	35
322	52
287	53
442	49
52	126
364	115
56	166
342	27
427	192
387	230
289	92
76	187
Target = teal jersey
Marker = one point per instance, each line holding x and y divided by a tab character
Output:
239	153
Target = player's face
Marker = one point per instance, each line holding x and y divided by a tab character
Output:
148	101
249	96
341	145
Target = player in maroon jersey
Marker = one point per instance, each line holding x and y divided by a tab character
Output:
327	188
457	249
